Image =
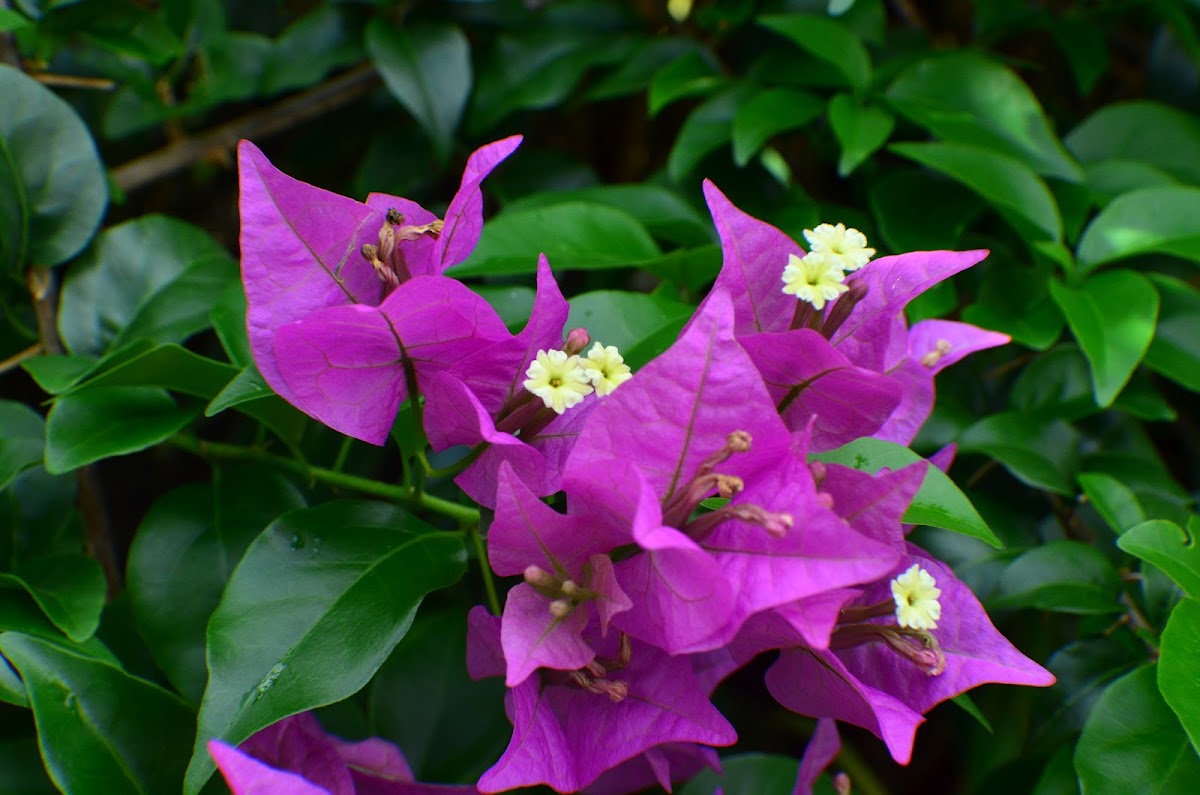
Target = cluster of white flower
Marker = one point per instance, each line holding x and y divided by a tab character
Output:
562	381
820	276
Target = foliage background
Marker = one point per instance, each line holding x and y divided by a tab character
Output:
1063	136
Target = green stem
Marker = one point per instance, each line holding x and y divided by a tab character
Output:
456	467
340	462
374	488
486	570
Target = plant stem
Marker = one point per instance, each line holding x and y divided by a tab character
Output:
485	569
374	488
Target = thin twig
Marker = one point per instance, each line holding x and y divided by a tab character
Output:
273	119
74	81
14	361
485	570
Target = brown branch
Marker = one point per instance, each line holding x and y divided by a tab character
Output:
74	81
14	361
273	119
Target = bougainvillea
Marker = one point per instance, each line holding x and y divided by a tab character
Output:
693	531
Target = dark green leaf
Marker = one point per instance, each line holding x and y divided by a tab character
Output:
1041	452
1010	186
1133	743
747	774
1113	500
427	68
647	60
1063	577
1083	668
582	235
936	222
1177	666
21	769
768	113
228	318
965	98
662	211
707	128
98	423
68	587
1086	47
100	729
1147	221
167	366
47	154
1112	315
512	302
1015	299
22	440
939	503
1166	545
55	374
860	129
310	48
1056	385
316	605
151	278
1143	131
1109	179
623	319
828	40
182	555
1175	349
695	73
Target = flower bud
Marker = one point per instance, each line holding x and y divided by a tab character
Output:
577	340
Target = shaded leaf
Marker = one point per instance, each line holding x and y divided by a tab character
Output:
768	113
98	423
1113	500
22	440
1167	546
1141	131
1041	452
68	587
1063	577
860	129
1147	221
828	40
1175	349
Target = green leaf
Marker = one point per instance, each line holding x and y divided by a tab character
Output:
747	774
48	157
1086	47
1041	452
98	423
1147	221
150	278
427	68
56	373
971	708
1010	186
1175	349
1166	545
462	727
1142	131
636	72
694	73
572	235
1112	315
1113	500
1133	743
1177	666
182	555
1083	669
1061	577
22	441
624	319
966	98
661	210
936	222
828	40
69	588
100	729
167	366
860	130
768	113
1056	385
1109	179
706	129
939	502
316	605
309	49
21	769
228	318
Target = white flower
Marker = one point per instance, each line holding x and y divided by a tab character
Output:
813	279
847	248
606	368
559	380
916	594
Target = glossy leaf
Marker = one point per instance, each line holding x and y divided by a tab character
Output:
429	70
1133	743
580	235
1112	316
182	555
966	98
1147	221
708	128
623	319
1140	131
1177	669
1010	186
939	503
68	587
860	129
768	113
1041	452
828	40
22	441
168	366
150	278
1167	546
1175	349
1062	576
662	211
99	423
100	729
317	603
48	158
1113	500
